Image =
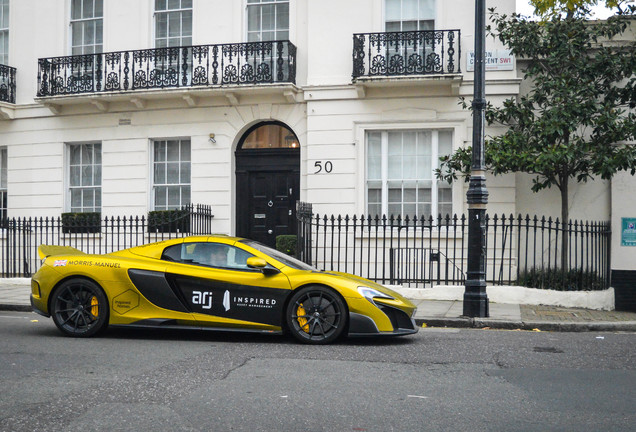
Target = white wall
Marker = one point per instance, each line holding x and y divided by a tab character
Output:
587	201
623	206
36	155
330	124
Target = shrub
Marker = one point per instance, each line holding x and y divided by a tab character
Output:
555	279
77	222
169	221
286	244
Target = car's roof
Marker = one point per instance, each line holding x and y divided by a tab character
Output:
155	249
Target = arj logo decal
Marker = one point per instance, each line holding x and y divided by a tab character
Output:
202	298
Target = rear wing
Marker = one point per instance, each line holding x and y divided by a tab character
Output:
50	250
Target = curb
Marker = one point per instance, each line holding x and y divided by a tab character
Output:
480	323
15	308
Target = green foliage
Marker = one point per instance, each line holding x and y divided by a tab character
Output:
77	222
169	221
580	107
555	279
286	244
570	8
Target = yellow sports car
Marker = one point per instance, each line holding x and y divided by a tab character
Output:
211	282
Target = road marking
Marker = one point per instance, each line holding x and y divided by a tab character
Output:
416	396
14	317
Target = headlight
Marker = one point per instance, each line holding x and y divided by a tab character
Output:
370	293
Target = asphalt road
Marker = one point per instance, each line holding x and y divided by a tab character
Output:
439	379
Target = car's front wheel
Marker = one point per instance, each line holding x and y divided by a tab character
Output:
79	308
316	315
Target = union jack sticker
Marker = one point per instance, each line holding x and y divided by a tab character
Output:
60	263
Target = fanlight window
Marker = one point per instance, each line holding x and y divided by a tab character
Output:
269	136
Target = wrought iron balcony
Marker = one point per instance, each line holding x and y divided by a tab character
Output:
249	63
406	53
7	84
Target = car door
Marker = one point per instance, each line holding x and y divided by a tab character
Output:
226	292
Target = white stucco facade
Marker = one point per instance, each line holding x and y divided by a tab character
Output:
329	112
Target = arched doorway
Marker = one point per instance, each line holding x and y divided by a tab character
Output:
267	182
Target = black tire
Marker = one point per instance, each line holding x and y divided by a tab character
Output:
316	315
79	308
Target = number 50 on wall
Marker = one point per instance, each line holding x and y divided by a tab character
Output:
320	166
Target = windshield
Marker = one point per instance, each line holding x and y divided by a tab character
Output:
279	256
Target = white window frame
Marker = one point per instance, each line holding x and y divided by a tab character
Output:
83	20
4	31
260	32
153	184
166	11
4	164
402	20
68	200
360	135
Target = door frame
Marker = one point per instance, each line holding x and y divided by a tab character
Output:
248	161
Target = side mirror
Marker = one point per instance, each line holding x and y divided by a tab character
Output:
256	263
261	264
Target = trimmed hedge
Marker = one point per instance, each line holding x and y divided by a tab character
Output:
80	223
169	221
287	244
555	279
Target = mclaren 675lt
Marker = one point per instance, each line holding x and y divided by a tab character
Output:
212	282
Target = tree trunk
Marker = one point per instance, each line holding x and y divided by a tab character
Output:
565	219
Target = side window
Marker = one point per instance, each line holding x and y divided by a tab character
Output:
208	254
87	26
4	32
85	177
173	23
171	174
267	20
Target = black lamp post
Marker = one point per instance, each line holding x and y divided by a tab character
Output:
475	297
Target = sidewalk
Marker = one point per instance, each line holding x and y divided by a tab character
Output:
14	296
444	313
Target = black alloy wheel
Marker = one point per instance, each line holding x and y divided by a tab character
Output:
79	308
316	315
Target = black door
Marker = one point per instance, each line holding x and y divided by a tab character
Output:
272	197
267	189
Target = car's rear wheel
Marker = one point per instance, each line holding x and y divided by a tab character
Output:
316	315
79	308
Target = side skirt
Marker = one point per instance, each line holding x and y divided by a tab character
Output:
172	325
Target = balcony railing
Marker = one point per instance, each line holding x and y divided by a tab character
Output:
175	67
406	53
7	84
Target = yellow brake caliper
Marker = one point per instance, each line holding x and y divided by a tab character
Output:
94	306
302	321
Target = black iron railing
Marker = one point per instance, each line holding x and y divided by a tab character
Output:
406	53
432	251
20	237
188	67
7	84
